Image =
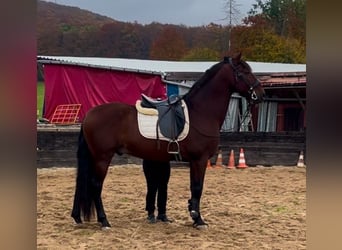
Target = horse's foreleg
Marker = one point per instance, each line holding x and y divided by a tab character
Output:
197	173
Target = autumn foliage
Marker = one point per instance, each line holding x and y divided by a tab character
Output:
63	30
168	45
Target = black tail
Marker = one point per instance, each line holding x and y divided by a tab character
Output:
83	200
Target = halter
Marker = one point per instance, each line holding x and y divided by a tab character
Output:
242	76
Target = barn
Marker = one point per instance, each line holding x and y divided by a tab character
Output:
90	81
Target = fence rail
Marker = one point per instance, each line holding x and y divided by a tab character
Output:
57	146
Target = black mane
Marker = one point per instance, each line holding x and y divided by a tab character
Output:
209	73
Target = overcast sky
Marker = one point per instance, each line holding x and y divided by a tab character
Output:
187	12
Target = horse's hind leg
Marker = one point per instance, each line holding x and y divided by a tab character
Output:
76	210
97	183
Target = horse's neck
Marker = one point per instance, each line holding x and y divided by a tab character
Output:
211	101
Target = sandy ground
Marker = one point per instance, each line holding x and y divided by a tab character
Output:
253	208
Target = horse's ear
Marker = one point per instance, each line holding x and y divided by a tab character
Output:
238	56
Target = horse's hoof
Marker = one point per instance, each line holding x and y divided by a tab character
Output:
194	214
105	228
77	219
78	225
104	223
201	227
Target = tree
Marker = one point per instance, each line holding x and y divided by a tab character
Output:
169	45
201	54
265	46
287	17
131	44
276	31
109	37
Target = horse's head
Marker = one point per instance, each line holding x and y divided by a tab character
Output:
246	82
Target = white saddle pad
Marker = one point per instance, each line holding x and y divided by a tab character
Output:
147	125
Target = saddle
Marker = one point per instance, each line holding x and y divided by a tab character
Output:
171	118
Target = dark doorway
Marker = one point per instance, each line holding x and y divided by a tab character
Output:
293	119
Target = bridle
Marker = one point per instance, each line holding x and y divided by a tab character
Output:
240	75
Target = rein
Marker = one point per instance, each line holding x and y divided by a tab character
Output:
198	131
244	117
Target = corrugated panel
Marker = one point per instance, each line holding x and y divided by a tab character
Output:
271	123
245	119
231	122
163	67
262	113
267	117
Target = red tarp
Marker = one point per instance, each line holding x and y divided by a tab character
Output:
69	84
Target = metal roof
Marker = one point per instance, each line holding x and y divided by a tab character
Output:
164	67
274	81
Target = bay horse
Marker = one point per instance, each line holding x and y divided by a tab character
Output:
112	128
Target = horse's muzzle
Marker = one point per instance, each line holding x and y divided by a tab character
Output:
257	97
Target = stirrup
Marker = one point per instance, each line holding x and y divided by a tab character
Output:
173	150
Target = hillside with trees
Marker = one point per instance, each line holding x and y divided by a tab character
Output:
274	31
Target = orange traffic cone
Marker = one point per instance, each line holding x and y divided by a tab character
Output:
219	161
300	162
242	162
231	163
209	164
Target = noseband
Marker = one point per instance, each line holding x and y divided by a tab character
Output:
242	76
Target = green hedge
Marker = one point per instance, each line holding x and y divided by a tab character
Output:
40	98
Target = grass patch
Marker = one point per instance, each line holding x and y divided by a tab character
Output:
40	98
281	209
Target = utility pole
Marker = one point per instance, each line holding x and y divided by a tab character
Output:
231	13
230	25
